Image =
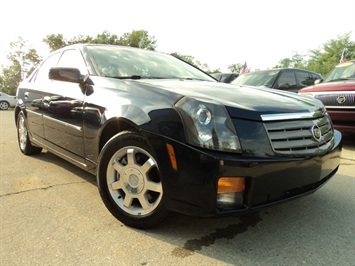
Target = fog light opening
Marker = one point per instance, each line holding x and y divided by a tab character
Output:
230	192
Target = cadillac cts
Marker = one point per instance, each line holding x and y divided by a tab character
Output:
162	136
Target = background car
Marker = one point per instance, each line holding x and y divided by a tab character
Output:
287	79
337	92
225	77
7	101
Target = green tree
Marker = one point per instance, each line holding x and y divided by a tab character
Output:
23	60
214	71
106	38
203	66
10	78
323	60
235	68
283	63
187	58
296	61
80	39
191	60
55	41
139	39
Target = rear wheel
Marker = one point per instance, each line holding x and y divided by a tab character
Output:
129	181
22	136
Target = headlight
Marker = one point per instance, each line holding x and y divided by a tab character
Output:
208	125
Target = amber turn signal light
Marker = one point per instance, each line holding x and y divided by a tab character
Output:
231	184
172	157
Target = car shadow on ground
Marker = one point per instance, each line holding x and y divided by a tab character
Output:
298	226
51	158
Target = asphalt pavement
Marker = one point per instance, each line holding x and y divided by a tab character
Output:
51	214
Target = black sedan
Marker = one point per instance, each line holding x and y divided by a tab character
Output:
225	77
161	135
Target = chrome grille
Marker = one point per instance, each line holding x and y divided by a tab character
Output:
295	137
337	100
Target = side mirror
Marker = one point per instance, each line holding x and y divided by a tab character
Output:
317	81
66	74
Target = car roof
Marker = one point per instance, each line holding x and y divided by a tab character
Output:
280	69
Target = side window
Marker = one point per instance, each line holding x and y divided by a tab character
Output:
315	77
73	58
304	78
286	80
42	73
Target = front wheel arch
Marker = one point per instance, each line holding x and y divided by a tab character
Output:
113	127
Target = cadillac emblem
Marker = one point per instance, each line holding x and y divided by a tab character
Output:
341	99
316	133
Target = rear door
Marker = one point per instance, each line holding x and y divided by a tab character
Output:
31	94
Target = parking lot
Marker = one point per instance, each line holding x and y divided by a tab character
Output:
51	214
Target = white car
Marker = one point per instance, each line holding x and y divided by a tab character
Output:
7	101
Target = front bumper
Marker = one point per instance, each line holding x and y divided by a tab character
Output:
192	188
343	120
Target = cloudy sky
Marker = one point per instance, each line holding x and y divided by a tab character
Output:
216	32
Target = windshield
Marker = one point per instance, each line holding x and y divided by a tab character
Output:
343	71
123	62
257	78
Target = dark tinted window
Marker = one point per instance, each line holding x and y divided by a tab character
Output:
304	78
286	81
258	78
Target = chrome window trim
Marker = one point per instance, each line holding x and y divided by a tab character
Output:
62	123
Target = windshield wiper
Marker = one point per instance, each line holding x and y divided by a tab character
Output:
134	77
337	79
192	79
125	77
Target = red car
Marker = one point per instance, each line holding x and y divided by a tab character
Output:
337	92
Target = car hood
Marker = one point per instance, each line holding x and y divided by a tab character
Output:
241	102
346	85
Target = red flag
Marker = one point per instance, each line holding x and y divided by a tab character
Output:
342	58
244	69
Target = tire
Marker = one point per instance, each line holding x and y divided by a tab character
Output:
4	105
129	181
22	136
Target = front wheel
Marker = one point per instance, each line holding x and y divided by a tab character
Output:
4	105
129	181
22	136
